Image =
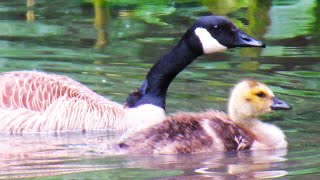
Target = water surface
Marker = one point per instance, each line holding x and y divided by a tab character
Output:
110	45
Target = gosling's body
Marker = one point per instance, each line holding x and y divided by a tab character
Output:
213	130
189	133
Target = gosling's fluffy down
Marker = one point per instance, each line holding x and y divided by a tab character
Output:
213	130
188	133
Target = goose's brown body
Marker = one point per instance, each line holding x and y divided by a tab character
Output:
188	133
33	101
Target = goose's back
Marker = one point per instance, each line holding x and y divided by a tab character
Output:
37	90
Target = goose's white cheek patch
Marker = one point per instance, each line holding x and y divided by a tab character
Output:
209	44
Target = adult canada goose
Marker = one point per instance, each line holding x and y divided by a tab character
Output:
213	130
38	102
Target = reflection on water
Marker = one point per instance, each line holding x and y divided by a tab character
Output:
69	153
101	16
101	43
43	155
30	12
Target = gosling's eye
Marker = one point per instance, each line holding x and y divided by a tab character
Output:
261	94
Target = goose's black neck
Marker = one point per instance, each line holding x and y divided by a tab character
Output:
155	86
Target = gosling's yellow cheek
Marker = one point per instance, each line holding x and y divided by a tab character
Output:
267	105
259	105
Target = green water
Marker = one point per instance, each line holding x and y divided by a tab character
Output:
110	45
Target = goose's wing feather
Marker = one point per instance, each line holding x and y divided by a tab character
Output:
36	90
33	101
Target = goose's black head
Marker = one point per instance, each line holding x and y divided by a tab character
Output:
211	34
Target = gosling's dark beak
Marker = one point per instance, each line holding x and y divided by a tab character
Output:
244	40
279	104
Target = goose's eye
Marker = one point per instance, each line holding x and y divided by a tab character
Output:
261	94
216	28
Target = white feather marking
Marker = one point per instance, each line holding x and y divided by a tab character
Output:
217	141
209	43
144	116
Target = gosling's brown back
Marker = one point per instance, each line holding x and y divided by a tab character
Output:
185	133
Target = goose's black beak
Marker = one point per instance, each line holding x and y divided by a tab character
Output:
279	104
244	40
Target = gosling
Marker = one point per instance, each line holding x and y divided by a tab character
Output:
213	130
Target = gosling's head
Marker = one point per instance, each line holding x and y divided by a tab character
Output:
250	99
